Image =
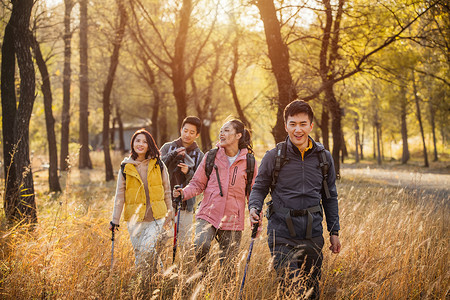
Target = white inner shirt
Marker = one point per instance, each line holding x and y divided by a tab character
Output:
231	159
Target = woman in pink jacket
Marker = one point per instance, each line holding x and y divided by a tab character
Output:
222	211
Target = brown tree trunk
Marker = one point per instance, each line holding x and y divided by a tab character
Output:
120	125
231	82
356	138
84	159
404	130
114	61
205	114
9	111
419	118
433	129
19	199
178	68
279	57
53	178
324	127
65	113
361	142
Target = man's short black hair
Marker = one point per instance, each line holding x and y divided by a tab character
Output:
194	121
298	107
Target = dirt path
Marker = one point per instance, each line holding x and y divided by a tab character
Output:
429	182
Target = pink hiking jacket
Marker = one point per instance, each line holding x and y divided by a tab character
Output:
225	212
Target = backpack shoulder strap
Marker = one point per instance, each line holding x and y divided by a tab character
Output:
160	163
250	172
280	161
122	169
209	164
324	166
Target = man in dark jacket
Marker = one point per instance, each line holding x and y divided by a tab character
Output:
295	234
182	157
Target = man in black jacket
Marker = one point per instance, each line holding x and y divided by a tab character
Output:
297	185
182	158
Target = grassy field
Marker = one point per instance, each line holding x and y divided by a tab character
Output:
395	246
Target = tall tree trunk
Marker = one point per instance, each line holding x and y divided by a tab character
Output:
433	129
324	127
419	118
356	138
279	57
53	179
84	159
232	83
163	123
114	61
9	111
120	125
19	199
361	143
378	131
205	114
178	68
403	113
374	140
65	113
155	113
336	130
112	136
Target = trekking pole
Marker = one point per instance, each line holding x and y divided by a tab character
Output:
113	229
254	232
177	224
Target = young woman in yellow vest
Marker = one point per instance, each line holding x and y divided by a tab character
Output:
143	194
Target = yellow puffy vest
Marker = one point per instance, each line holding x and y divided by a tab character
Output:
135	200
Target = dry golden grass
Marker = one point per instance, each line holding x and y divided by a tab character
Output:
395	246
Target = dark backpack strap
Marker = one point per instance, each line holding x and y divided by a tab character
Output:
209	164
250	172
160	163
122	169
280	161
324	165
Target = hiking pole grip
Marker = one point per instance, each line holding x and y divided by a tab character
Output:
177	224
255	226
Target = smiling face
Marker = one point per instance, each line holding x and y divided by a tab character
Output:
298	128
228	136
188	134
140	146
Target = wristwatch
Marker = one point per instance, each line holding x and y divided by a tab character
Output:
334	232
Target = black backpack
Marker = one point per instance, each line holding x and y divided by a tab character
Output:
281	159
209	165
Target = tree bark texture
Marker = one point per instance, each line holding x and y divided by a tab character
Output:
324	127
433	129
232	83
9	110
279	57
84	158
120	125
178	67
19	199
404	130
419	118
65	113
356	138
53	178
114	61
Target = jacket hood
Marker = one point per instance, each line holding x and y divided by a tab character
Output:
129	160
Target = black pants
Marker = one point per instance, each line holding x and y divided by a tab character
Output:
299	267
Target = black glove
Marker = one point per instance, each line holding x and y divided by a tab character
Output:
114	227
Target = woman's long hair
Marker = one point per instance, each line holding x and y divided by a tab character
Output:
246	139
152	151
